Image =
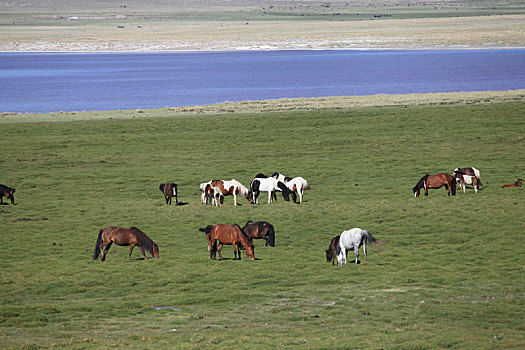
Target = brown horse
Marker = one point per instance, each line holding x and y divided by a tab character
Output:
124	236
8	192
333	250
516	184
260	229
169	191
436	181
227	234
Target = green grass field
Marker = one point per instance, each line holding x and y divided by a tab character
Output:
448	272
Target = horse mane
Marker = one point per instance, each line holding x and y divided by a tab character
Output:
420	183
144	241
261	176
244	235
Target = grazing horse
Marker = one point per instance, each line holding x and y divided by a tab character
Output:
8	192
297	184
124	236
260	229
436	181
269	185
227	234
169	191
471	172
516	184
464	180
232	187
333	248
353	238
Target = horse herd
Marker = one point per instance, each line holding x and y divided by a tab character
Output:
214	191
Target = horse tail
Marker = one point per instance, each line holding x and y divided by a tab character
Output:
478	176
271	233
161	188
453	185
97	245
368	237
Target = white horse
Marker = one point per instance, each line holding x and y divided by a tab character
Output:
467	180
206	191
353	238
217	197
297	184
270	185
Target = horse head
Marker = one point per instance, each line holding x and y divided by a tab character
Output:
329	254
155	250
250	251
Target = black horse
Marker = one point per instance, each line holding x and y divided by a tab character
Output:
8	192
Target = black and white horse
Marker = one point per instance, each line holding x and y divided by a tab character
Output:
270	185
296	184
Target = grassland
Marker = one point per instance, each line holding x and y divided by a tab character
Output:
449	272
134	25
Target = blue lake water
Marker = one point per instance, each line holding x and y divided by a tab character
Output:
52	82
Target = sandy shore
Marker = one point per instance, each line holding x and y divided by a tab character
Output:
441	33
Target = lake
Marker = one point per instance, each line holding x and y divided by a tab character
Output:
53	82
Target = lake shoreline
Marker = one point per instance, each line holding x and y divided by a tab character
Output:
281	105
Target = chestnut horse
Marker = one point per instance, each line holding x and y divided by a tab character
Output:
124	236
516	184
227	234
8	192
332	251
436	181
260	229
169	191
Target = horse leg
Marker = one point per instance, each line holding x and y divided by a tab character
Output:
213	249
105	251
270	196
131	246
300	196
219	248
234	251
356	250
266	239
234	198
343	257
364	249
